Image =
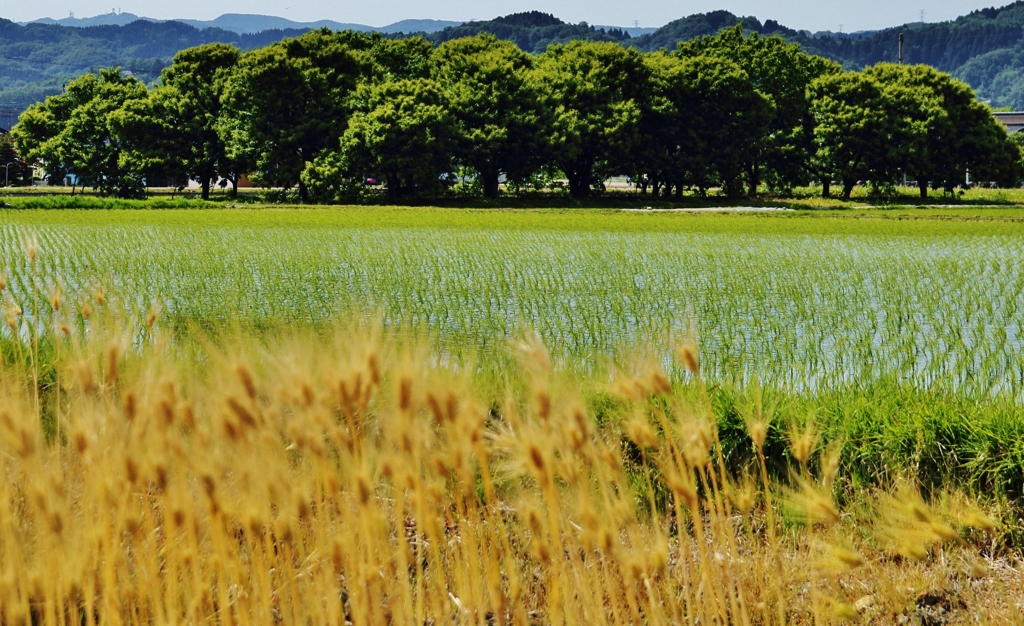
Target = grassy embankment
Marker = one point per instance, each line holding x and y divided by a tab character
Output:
283	459
800	199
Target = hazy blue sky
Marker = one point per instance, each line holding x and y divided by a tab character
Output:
812	15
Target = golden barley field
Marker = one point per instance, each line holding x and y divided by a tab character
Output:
352	481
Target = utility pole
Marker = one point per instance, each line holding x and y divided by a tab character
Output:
636	23
901	48
7	113
922	16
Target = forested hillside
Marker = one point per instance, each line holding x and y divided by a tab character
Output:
36	60
532	31
983	48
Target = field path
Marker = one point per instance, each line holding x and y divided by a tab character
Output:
713	209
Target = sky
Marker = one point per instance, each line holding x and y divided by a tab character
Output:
800	14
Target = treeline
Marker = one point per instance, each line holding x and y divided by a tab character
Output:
331	113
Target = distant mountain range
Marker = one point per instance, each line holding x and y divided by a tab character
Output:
985	48
245	24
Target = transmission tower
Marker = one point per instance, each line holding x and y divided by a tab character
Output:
9	116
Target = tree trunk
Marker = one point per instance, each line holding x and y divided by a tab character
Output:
848	189
234	186
579	186
733	187
206	188
755	179
923	186
303	193
826	188
581	177
394	187
491	184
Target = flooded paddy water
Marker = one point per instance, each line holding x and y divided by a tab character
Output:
802	310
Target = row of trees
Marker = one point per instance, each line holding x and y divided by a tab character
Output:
326	111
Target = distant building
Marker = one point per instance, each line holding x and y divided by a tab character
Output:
1014	122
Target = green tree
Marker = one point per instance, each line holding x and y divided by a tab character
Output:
960	135
145	127
174	131
852	128
595	92
781	71
1013	157
399	59
73	132
8	151
704	121
402	132
286	103
499	114
37	129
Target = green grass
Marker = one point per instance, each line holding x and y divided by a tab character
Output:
889	430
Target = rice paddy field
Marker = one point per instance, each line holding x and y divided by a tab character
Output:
421	415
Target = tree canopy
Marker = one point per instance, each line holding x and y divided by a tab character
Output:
594	92
77	132
498	112
174	133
